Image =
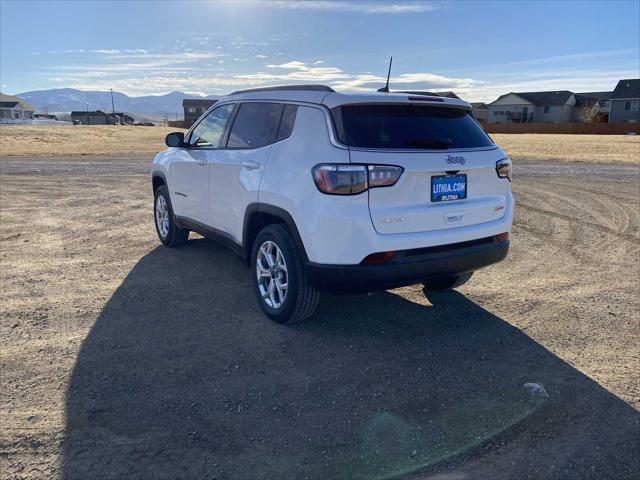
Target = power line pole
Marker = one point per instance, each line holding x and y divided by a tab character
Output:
113	110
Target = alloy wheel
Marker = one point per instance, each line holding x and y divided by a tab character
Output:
273	278
162	216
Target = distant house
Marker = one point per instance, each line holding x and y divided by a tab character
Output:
480	111
526	107
625	102
96	117
591	107
15	109
123	118
100	117
45	116
194	108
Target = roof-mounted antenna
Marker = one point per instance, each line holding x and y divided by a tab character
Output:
386	87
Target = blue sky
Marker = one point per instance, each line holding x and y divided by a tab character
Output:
478	49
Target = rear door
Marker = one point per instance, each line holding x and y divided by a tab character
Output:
237	169
449	177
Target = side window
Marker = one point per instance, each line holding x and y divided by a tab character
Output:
208	132
287	122
255	125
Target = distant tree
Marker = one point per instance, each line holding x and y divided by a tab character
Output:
589	114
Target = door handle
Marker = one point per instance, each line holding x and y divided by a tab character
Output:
202	161
250	165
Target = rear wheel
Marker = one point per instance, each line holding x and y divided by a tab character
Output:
447	283
169	233
280	283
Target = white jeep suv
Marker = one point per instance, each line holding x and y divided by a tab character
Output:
345	193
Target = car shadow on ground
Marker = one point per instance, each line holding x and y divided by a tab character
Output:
183	377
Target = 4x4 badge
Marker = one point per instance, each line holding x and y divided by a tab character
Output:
452	160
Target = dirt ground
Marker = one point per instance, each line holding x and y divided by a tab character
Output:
121	358
51	140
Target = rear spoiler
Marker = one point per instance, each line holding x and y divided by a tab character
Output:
337	99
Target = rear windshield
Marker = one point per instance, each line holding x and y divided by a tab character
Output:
408	126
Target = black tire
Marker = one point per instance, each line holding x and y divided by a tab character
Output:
447	283
175	235
301	298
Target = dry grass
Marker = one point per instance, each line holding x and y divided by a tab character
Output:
23	140
29	140
581	148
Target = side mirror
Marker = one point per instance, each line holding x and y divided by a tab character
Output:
174	139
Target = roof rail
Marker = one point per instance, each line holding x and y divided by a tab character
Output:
308	88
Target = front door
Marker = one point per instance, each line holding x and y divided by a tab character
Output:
189	171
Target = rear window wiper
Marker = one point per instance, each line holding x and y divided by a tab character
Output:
430	143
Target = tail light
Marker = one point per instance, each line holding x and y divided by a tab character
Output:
383	175
351	179
503	168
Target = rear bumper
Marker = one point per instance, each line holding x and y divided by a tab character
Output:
408	267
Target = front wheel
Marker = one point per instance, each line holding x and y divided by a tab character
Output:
447	283
280	283
169	233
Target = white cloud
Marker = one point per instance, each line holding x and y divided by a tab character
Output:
405	81
294	64
355	6
105	51
163	81
139	71
157	73
97	51
143	62
302	72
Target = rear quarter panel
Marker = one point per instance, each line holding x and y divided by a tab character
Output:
288	184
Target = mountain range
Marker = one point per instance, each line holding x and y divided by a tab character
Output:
61	100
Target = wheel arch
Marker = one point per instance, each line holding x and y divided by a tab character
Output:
157	180
259	215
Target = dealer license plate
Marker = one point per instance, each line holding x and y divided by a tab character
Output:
448	187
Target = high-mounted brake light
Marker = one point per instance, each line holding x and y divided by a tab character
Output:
504	168
425	99
351	179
